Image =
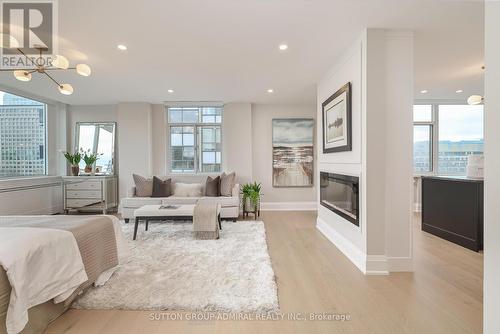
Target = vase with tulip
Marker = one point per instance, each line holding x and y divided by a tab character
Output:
90	159
74	161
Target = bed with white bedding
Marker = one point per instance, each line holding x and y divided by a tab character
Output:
46	261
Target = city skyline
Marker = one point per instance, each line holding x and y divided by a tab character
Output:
22	136
452	156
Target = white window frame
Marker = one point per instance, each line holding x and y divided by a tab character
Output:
169	125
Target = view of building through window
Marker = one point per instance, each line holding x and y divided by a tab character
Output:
455	131
195	139
22	136
422	138
460	135
422	148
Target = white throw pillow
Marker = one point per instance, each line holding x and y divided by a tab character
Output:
188	189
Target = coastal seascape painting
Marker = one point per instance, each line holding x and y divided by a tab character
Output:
293	152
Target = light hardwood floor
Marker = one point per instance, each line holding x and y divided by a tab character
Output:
442	295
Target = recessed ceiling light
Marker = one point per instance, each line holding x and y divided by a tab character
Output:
459	91
424	91
170	91
283	47
121	47
270	91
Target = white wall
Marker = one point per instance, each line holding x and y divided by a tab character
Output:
379	66
135	142
159	140
56	138
492	168
398	164
237	140
374	142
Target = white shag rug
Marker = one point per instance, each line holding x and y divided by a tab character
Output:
169	270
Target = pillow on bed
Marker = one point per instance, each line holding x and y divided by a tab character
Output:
143	186
188	189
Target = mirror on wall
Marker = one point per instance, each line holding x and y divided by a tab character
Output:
98	138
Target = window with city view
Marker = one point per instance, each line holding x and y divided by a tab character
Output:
22	136
460	135
453	131
195	139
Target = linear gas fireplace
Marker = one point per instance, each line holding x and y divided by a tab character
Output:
340	194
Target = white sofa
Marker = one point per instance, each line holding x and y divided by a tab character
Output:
230	206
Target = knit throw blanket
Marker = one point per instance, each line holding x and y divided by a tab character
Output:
205	220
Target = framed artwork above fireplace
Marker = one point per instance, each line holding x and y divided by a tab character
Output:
337	121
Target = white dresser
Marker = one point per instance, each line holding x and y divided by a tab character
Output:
90	193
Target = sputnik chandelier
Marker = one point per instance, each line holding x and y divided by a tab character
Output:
42	66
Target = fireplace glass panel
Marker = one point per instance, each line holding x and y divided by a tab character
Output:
340	194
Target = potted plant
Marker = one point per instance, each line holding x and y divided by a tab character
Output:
74	161
90	159
251	196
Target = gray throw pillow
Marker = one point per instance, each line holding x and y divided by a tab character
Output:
161	188
227	182
212	187
143	186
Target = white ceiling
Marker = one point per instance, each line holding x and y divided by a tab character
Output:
227	50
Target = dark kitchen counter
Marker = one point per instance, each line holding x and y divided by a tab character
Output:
452	209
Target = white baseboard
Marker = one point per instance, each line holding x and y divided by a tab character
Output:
353	253
376	265
288	206
398	264
383	265
368	264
